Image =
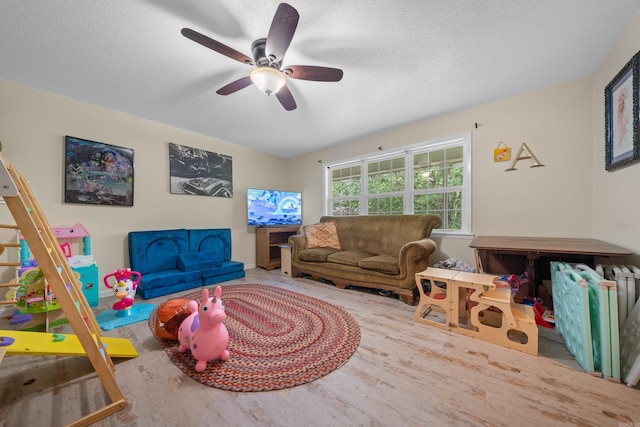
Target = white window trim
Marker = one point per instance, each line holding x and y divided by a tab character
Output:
408	151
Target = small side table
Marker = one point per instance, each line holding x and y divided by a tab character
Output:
285	259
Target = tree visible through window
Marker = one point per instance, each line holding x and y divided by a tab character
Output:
438	185
431	178
385	186
346	184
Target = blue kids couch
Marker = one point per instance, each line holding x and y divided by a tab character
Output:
175	260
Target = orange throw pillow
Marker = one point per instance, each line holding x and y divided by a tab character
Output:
322	235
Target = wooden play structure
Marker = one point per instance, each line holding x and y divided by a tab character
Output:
33	225
473	304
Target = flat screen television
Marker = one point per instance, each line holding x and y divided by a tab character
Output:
272	208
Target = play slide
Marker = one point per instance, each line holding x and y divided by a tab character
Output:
50	344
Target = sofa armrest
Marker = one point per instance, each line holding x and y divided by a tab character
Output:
297	242
415	256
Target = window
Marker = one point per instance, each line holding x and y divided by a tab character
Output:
430	178
345	190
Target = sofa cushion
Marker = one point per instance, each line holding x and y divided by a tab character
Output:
315	254
199	260
349	257
169	277
160	289
322	235
384	263
224	268
156	250
211	240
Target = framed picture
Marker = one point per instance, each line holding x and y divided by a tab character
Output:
97	173
200	172
621	117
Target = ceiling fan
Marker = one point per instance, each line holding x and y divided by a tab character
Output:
268	53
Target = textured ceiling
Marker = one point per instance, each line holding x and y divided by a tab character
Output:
403	61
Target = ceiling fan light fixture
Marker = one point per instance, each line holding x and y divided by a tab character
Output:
268	80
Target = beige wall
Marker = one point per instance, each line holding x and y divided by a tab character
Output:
570	196
32	129
616	205
553	200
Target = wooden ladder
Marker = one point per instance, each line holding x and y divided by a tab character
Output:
38	234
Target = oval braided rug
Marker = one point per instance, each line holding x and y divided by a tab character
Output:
277	339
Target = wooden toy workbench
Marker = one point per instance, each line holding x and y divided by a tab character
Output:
472	304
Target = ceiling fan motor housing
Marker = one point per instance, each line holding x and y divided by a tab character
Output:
260	55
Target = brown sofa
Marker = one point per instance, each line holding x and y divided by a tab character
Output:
381	252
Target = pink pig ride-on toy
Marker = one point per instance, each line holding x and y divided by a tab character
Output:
124	288
203	331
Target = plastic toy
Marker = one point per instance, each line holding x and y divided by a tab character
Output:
83	263
55	344
124	288
204	332
5	341
33	294
38	308
124	311
74	232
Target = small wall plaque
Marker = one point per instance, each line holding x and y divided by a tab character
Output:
502	153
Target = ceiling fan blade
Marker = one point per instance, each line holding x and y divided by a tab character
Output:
234	86
281	32
216	46
286	98
310	72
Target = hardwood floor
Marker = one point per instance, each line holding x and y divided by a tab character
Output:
404	373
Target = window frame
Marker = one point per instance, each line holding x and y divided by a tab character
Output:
461	140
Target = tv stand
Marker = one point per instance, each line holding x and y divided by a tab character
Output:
268	242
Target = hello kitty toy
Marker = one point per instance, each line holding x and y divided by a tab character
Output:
203	331
124	289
